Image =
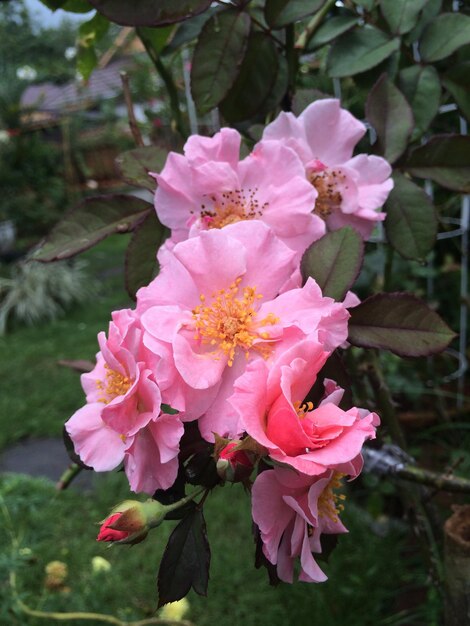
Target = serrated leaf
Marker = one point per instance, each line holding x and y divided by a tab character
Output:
89	222
444	35
255	81
280	13
89	33
334	261
457	81
401	15
444	159
391	116
188	30
359	50
331	29
422	88
149	12
141	254
279	88
135	165
411	223
429	12
398	322
217	58
186	560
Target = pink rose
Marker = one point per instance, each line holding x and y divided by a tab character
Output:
215	307
349	190
270	404
122	420
292	511
210	188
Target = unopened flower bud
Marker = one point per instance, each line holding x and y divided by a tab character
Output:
234	465
130	521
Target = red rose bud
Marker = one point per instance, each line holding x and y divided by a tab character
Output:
109	534
234	465
130	521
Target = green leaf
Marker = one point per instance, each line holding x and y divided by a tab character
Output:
141	260
431	9
401	15
86	61
304	97
367	4
444	159
280	13
391	116
186	560
188	31
411	223
334	261
255	81
155	38
280	87
359	50
166	408
457	82
135	165
72	6
89	222
76	6
422	88
149	12
88	34
218	56
398	322
331	29
444	35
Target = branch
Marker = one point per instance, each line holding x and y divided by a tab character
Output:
390	460
135	130
313	25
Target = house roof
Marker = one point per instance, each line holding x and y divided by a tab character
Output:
103	84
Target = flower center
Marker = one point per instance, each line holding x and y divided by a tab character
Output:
330	503
115	384
229	322
329	198
231	207
302	408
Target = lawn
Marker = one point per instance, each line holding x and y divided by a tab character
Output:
375	579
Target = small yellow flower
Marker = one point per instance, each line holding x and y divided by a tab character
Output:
98	565
56	574
175	610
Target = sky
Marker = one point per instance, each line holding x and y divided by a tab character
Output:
49	18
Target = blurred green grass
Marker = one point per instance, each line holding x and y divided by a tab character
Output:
369	575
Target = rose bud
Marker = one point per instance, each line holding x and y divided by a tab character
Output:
234	465
130	521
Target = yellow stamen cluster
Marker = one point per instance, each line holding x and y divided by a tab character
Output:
302	408
330	503
329	198
229	322
231	207
114	385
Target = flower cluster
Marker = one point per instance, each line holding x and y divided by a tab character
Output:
227	335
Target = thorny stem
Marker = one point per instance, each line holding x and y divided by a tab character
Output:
135	130
313	25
